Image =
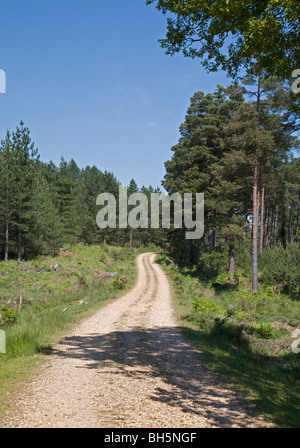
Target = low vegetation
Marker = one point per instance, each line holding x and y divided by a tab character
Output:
246	336
55	293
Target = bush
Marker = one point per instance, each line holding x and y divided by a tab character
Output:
262	330
118	283
243	258
205	311
7	316
214	262
231	330
207	306
281	266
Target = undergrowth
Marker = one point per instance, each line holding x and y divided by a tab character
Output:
245	336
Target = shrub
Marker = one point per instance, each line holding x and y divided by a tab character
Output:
214	263
202	305
281	266
262	330
205	311
231	330
7	316
118	283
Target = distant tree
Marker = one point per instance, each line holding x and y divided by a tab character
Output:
131	189
23	172
67	199
7	190
43	206
46	231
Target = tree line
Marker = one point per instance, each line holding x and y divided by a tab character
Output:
238	146
43	206
259	39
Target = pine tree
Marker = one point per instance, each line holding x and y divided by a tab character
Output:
131	189
229	150
46	230
25	155
7	190
67	200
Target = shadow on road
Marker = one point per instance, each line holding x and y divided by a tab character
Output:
162	352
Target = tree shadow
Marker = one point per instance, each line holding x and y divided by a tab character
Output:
188	270
163	352
273	381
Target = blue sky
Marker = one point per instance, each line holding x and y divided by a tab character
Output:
91	82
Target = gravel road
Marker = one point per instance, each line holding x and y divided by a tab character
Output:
128	366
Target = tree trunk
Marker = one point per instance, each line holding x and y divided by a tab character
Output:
19	245
290	225
262	221
6	241
297	226
130	237
267	227
256	199
275	227
271	224
214	233
231	258
214	239
255	226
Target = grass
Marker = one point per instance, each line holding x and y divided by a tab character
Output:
245	336
57	293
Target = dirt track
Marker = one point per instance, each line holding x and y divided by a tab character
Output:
129	366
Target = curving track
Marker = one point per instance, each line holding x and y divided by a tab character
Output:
129	366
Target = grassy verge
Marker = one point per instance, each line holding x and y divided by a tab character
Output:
57	293
245	336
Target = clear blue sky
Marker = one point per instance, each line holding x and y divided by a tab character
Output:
92	83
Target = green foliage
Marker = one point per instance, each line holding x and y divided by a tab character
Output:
245	336
118	283
213	262
220	141
281	266
8	316
43	206
206	306
266	32
47	292
234	311
263	330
